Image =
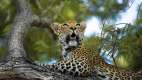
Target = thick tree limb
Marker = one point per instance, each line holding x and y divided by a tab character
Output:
41	23
22	20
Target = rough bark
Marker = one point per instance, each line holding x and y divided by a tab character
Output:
16	65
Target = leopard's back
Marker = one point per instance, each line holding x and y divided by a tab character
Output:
111	72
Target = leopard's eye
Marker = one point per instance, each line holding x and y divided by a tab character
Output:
77	24
65	24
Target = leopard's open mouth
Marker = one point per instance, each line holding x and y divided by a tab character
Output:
72	40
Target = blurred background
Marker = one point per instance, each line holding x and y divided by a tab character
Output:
113	29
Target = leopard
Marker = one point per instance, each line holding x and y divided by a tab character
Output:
79	61
102	70
70	36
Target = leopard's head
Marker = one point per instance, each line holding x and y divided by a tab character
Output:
70	34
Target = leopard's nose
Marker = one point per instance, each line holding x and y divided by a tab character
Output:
73	35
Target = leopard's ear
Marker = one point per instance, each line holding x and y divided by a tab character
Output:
82	26
58	28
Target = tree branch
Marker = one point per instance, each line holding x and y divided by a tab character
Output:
41	23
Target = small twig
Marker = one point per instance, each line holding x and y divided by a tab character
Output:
120	24
132	2
138	11
113	50
103	25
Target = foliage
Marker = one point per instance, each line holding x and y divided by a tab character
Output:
92	43
105	9
61	11
131	46
41	45
7	13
